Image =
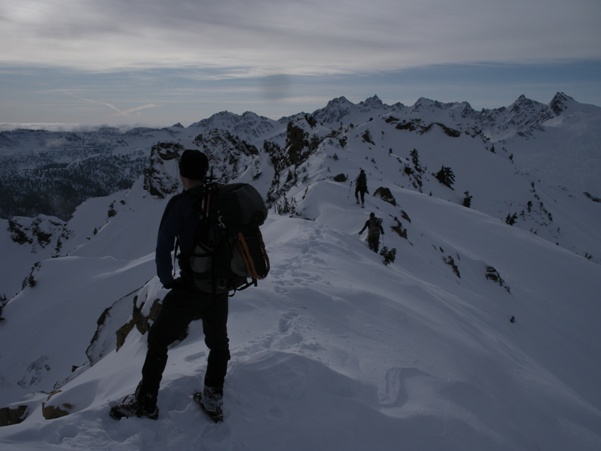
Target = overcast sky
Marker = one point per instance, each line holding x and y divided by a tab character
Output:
159	62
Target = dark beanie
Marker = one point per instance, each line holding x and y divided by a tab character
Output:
193	164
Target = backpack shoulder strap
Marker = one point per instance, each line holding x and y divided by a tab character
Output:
205	197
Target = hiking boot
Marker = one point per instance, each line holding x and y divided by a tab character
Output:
212	399
130	407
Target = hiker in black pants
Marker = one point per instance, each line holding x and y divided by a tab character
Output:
374	229
183	304
361	187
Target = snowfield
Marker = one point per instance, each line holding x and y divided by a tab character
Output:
479	336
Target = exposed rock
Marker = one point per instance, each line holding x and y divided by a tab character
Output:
13	415
385	194
161	177
40	231
50	411
53	412
139	321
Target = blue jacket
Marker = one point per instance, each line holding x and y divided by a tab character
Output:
179	222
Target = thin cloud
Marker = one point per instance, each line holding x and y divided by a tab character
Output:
124	113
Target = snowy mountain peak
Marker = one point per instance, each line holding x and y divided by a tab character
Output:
248	125
372	102
561	102
334	111
222	119
339	102
423	104
524	103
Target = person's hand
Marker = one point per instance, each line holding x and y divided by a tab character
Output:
176	284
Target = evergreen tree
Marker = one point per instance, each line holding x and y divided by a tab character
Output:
467	200
446	176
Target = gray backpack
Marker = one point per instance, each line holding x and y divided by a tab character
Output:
230	253
375	226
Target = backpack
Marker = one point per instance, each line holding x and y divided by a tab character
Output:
375	225
362	180
229	254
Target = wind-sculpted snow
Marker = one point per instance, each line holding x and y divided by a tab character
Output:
334	349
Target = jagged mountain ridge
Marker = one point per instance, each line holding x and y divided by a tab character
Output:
521	177
33	163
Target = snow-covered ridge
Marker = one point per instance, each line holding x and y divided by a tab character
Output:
480	335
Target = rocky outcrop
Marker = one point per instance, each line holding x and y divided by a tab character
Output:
51	412
138	320
161	176
138	310
385	194
13	415
39	232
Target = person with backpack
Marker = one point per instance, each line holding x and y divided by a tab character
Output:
374	229
361	187
182	304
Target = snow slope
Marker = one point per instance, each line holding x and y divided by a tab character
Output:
335	349
478	336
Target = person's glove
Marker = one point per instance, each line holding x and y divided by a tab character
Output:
175	284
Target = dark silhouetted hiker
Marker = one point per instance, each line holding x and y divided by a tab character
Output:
374	229
361	187
183	304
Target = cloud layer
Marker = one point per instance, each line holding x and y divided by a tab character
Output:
158	62
301	37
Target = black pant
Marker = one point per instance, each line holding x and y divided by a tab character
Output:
360	191
180	307
373	240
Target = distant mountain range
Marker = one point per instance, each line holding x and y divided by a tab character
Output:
554	146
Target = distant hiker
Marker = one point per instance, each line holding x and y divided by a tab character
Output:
361	187
374	229
183	304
